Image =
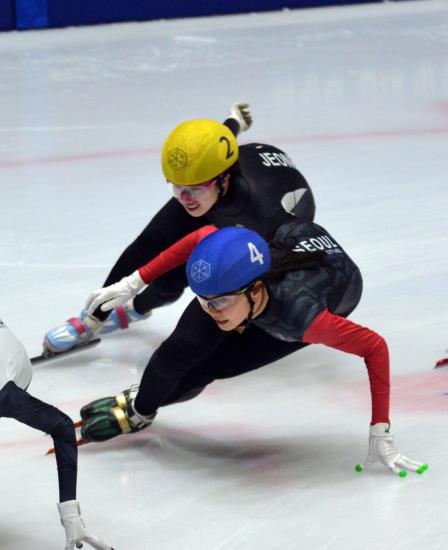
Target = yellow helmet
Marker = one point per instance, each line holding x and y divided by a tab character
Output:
197	151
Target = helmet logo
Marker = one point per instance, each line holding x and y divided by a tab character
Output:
177	158
200	271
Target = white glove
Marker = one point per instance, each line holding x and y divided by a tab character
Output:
241	113
75	529
116	294
382	449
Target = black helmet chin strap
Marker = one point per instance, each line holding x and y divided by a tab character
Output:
233	172
220	184
248	295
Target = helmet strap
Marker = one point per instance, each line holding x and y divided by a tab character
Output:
220	184
248	295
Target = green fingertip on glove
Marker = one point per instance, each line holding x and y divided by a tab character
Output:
402	473
422	469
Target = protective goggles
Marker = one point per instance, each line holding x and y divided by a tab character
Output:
221	302
192	192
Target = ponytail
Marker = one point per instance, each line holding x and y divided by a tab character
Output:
284	260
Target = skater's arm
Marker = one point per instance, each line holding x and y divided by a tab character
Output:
119	293
233	126
240	118
339	333
342	334
169	225
175	255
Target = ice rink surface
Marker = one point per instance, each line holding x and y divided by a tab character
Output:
358	97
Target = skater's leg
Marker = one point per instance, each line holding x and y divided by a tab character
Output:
239	354
20	405
198	352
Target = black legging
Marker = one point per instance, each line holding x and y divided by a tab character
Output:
169	225
20	405
199	352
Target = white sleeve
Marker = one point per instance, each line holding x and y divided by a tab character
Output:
15	365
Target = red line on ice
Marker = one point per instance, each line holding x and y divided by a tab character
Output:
155	151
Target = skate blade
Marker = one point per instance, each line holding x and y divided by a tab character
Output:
47	355
79	442
76	424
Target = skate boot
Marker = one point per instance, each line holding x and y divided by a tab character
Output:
73	333
111	416
120	317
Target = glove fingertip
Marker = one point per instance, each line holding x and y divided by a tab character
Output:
359	468
402	473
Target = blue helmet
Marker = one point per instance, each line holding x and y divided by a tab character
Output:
227	260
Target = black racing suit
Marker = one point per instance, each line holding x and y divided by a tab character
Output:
198	351
266	191
20	405
17	403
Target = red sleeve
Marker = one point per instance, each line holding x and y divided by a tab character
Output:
337	332
177	254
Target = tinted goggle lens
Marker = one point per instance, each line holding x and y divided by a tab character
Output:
191	191
220	302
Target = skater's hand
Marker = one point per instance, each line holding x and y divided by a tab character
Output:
382	449
75	529
241	113
116	294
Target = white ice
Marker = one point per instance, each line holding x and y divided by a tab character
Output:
358	97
